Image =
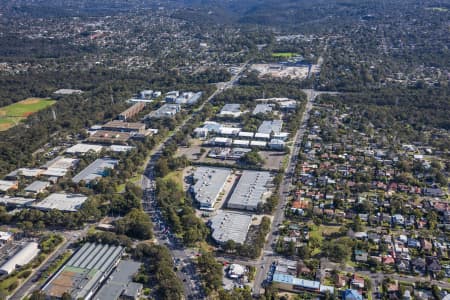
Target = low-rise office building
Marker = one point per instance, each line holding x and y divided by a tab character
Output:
188	98
80	149
276	144
220	141
6	237
291	283
165	111
271	127
132	111
258	144
120	126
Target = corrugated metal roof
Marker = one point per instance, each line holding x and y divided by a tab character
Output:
209	183
228	225
250	190
118	281
289	279
95	170
274	126
22	257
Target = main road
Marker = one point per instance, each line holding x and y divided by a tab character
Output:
268	255
182	257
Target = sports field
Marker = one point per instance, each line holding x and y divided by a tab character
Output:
12	114
284	54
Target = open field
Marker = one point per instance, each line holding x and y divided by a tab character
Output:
12	114
284	54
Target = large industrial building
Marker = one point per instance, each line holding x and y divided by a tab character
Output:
120	284
229	225
95	170
21	258
85	271
209	183
188	98
62	202
249	191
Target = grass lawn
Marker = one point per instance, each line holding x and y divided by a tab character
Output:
12	114
55	265
320	231
176	176
135	180
284	54
6	283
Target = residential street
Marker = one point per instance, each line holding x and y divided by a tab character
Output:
268	256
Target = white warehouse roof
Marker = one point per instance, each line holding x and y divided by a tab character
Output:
227	225
61	201
229	130
241	143
250	190
21	258
209	183
246	134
